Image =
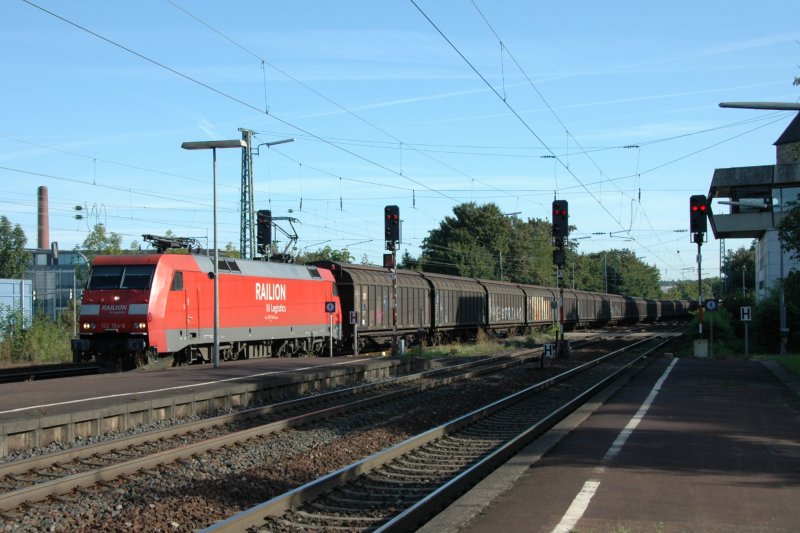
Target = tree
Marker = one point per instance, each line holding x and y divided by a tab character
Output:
740	268
588	271
765	326
789	230
229	251
687	290
408	262
13	258
99	242
326	254
529	259
469	244
622	273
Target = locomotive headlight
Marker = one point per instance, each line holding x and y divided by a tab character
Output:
139	325
86	326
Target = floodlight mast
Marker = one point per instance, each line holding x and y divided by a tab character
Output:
213	145
768	106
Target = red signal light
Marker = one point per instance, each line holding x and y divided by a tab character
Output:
698	213
392	226
560	219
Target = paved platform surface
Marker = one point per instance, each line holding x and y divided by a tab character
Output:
65	395
717	450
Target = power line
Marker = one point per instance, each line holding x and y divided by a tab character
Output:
527	126
235	99
399	142
109	161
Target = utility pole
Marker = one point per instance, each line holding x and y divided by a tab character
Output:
247	229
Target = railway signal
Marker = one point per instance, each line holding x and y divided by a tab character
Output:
391	220
698	223
558	257
264	230
391	226
698	213
560	219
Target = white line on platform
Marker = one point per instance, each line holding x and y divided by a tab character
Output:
581	501
19	409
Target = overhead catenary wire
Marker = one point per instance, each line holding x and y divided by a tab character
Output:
326	98
528	127
517	115
236	99
453	195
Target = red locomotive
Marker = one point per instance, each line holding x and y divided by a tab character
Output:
138	307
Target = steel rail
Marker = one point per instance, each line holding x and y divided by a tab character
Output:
40	491
47	371
410	518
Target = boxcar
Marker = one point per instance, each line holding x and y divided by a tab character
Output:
458	307
367	291
538	306
505	307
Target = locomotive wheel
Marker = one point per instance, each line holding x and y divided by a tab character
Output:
282	351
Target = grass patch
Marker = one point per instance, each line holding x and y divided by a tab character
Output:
789	362
483	345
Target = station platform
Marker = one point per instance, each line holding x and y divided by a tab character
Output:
685	445
35	414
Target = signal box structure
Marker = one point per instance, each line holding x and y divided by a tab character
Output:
758	197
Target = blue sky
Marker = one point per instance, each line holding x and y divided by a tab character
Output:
424	105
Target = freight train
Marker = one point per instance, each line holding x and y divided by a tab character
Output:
137	308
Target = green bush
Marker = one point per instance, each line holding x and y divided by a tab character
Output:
41	341
726	340
765	327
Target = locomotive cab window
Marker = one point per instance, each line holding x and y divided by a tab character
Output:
108	277
177	281
137	277
105	277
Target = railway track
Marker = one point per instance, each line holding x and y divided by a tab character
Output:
28	481
184	471
50	371
398	489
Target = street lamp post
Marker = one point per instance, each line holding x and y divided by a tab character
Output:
213	145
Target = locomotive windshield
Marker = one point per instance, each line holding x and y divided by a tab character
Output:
121	277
